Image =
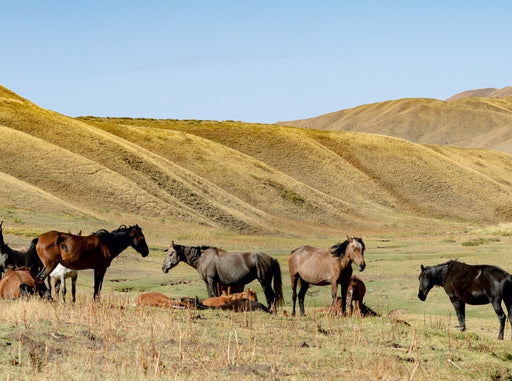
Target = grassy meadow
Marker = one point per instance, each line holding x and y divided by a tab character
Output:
410	339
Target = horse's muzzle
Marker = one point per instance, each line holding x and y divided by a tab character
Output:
165	269
422	296
361	267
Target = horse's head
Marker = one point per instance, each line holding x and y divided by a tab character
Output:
426	282
171	259
355	251
138	240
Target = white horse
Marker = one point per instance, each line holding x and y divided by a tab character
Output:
60	273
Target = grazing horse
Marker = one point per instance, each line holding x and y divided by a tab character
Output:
75	252
322	267
20	282
215	265
223	299
355	294
8	256
471	284
61	273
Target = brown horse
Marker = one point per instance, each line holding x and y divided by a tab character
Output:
229	290
223	299
75	252
216	265
322	267
20	282
355	294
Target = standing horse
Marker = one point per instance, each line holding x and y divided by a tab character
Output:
61	273
75	252
355	294
215	265
8	256
471	284
322	267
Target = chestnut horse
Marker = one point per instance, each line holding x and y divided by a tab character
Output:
20	282
355	294
223	299
471	284
216	265
322	267
76	252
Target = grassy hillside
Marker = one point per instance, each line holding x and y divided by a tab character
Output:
467	122
195	178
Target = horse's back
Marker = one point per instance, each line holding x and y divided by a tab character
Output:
12	280
311	263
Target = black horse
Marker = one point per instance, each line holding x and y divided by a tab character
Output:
480	284
216	265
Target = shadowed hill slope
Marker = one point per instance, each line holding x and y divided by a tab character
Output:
240	177
466	122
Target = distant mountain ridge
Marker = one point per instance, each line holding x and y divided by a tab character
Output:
489	92
475	118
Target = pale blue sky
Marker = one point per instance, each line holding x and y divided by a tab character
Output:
254	61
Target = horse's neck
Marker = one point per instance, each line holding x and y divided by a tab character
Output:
192	255
440	274
117	243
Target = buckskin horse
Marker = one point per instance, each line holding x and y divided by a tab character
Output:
471	284
321	267
234	268
77	252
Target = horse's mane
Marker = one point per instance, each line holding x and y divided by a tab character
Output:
338	250
105	234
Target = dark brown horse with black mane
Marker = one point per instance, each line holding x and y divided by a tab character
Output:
322	267
216	265
471	284
76	252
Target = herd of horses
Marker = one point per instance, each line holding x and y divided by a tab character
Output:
225	272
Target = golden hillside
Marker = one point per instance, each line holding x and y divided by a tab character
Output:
240	177
466	121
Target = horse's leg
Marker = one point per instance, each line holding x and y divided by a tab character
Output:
460	310
64	290
98	282
73	286
270	295
294	279
496	304
49	281
350	295
57	288
302	293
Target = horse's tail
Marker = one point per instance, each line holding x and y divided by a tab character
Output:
278	282
33	261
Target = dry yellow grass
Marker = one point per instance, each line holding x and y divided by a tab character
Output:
233	177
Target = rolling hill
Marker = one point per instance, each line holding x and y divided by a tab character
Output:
196	177
477	119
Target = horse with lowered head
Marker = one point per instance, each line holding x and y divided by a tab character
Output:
17	283
77	252
321	267
471	284
10	257
237	268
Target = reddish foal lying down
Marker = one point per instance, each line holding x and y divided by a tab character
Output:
20	282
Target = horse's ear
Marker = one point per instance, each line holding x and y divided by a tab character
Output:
172	243
422	268
1	223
